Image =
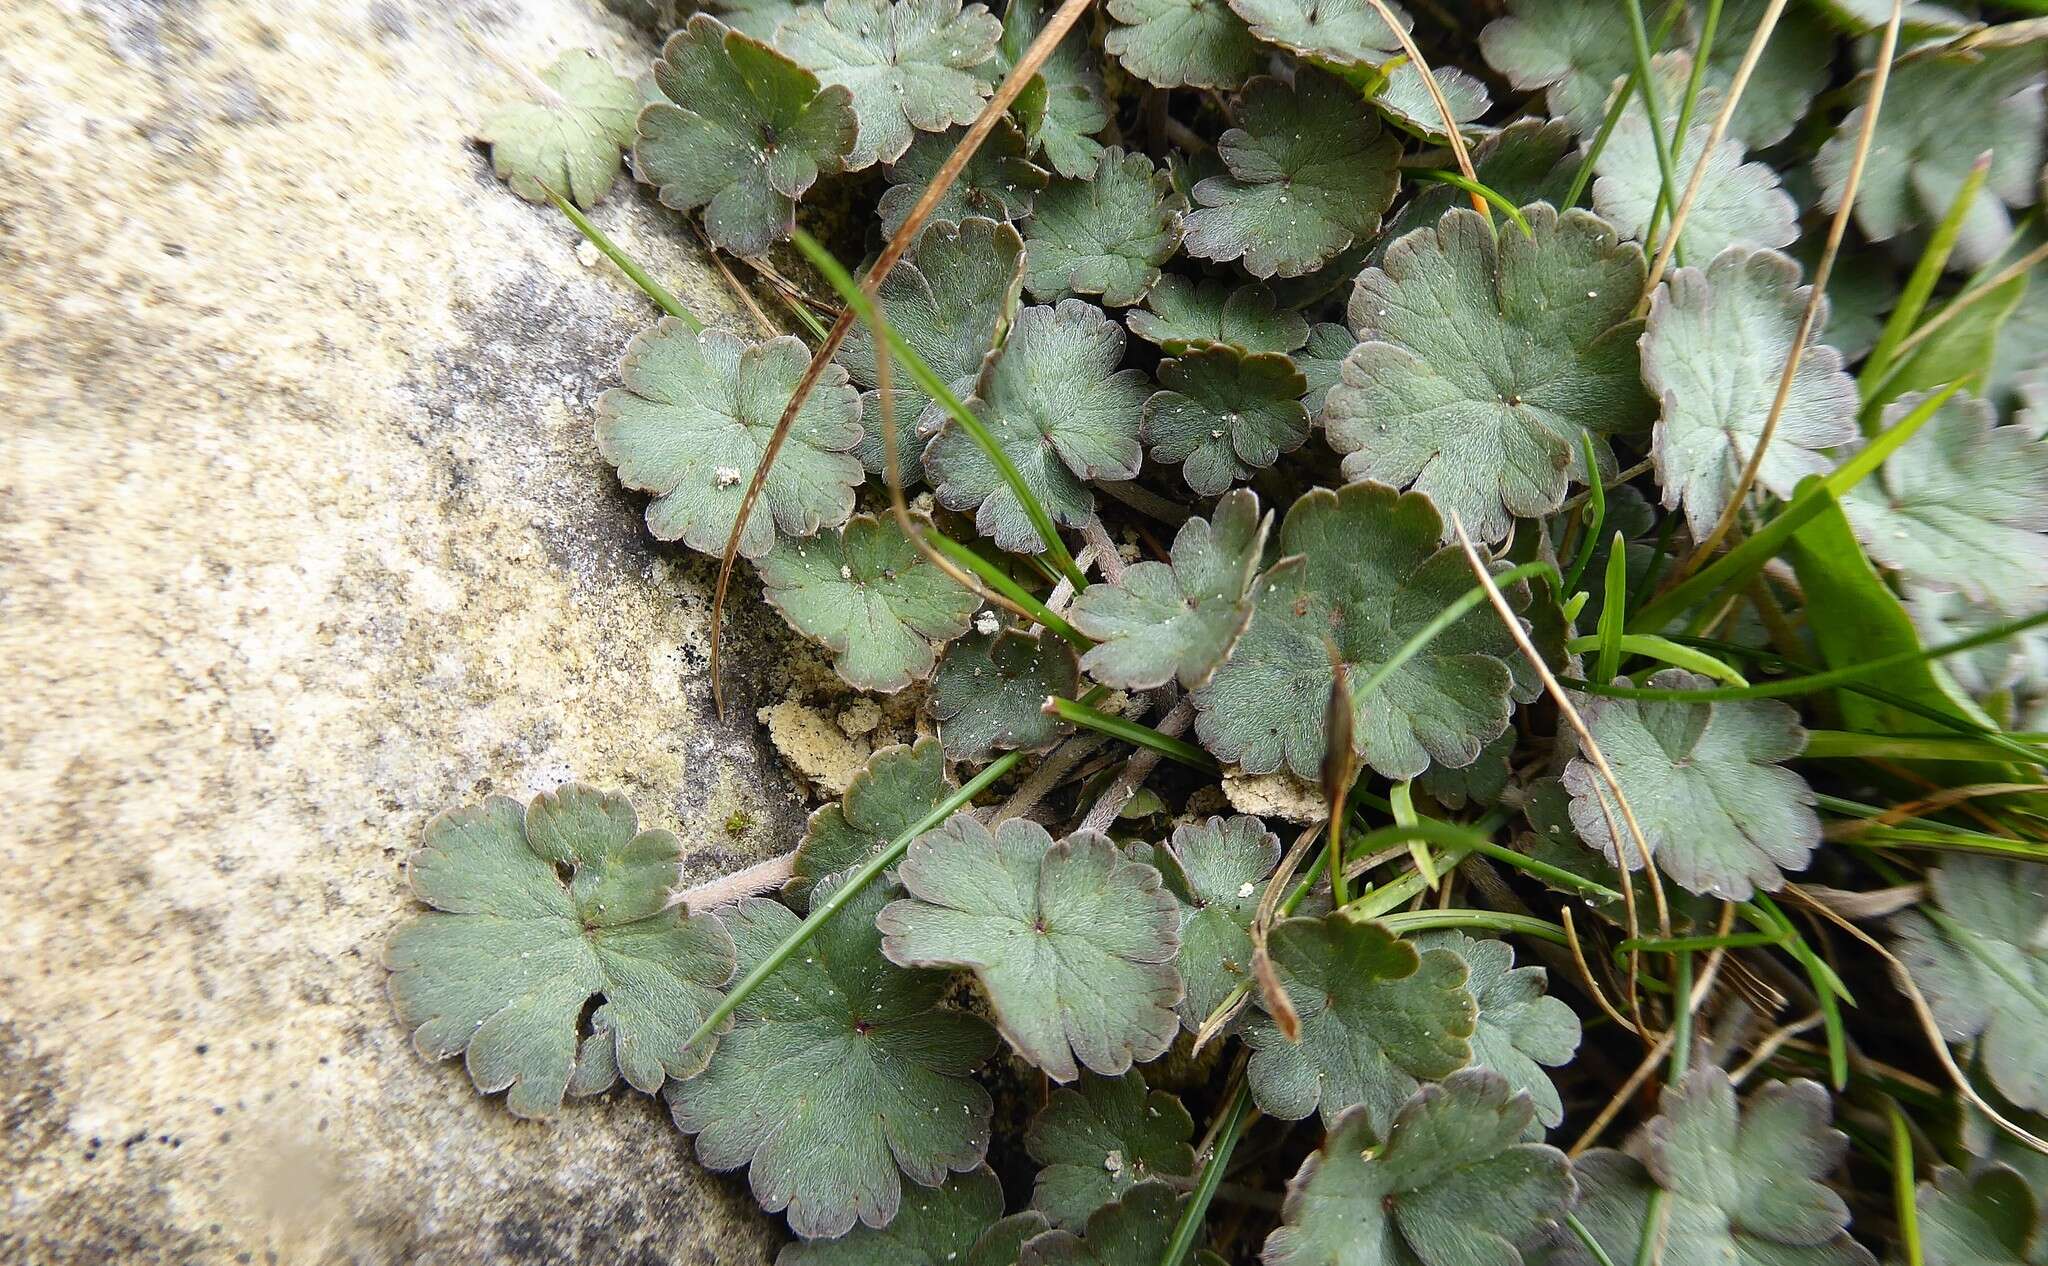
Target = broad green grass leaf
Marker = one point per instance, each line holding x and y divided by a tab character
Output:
1739	203
1073	942
693	419
878	605
1454	1184
1177	620
1991	1217
1961	506
1182	43
1335	33
998	183
892	793
840	1070
1105	235
959	1223
1095	1141
1372	574
950	299
1520	1029
1981	958
1308	174
1966	347
1376	1017
1134	1231
1217	871
1223	413
1940	111
503	968
1722	814
1056	402
1745	1189
570	144
1482	362
1075	107
1180	314
1713	351
989	693
911	65
744	133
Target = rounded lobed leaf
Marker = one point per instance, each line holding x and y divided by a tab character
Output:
1519	1029
1406	101
882	608
1376	1018
910	65
570	144
1989	1216
1105	235
743	134
951	299
1180	314
1720	812
693	419
1337	33
1076	110
933	1226
1073	943
840	1070
1097	1140
1713	351
990	691
1182	43
1370	574
1133	1231
1055	402
1225	413
998	183
892	793
1454	1184
1217	870
1177	620
512	955
1308	174
1482	362
1978	955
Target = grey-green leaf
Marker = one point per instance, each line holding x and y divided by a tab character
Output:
1180	314
911	65
1308	174
1095	1141
882	608
933	1226
502	969
1722	814
951	299
1218	871
1376	1018
1371	575
1075	108
1224	413
1991	1217
1453	1185
1056	403
1105	235
1483	362
1337	33
989	693
1073	943
1133	1231
840	1070
1961	506
998	183
1744	1187
1520	1029
744	133
1177	620
1713	351
1979	956
892	793
1182	43
569	143
693	419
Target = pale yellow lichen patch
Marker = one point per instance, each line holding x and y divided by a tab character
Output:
813	744
1279	795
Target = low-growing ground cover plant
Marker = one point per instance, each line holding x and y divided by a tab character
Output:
1475	579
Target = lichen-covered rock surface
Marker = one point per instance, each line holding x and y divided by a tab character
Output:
303	536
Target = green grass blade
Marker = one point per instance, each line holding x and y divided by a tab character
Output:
1488	920
1005	584
1650	646
627	264
1174	749
1235	1113
1913	299
1499	202
1597	490
1613	610
1646	88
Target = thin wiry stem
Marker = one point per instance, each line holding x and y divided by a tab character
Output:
1455	138
1815	298
1006	93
